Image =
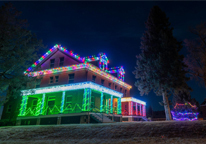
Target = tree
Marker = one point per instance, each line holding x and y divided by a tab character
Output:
196	58
160	67
18	50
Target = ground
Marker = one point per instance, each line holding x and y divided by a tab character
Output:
127	133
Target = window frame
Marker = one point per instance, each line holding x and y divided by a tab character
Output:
102	82
71	79
56	79
52	63
94	78
51	80
67	103
61	63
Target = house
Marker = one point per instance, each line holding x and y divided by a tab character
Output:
133	109
73	89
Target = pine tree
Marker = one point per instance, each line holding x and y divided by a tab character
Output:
159	66
18	47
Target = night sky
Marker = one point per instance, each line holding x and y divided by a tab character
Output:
114	28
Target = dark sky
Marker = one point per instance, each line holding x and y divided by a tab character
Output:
114	28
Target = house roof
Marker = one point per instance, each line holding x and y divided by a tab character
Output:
84	64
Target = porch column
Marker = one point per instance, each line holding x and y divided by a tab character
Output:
107	106
130	107
144	110
42	104
111	105
86	99
140	110
136	109
119	106
62	102
101	102
24	101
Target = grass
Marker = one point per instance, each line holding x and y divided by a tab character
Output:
130	132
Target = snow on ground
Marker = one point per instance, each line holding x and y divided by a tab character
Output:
127	133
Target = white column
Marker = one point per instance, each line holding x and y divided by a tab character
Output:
101	102
140	109
111	105
62	102
42	103
136	109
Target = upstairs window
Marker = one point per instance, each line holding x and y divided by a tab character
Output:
102	82
93	78
51	80
120	89
61	62
115	87
125	92
52	61
71	78
110	85
56	79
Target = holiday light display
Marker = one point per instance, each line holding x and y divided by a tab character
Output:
103	61
49	52
119	70
74	86
185	112
128	99
80	66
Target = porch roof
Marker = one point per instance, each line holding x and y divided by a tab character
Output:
127	99
74	86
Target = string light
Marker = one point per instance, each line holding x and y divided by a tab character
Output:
75	86
80	66
128	99
119	70
103	61
185	112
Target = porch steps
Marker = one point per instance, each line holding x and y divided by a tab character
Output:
144	118
101	118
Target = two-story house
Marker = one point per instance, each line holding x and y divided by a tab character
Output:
74	89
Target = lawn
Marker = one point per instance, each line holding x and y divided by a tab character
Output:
130	132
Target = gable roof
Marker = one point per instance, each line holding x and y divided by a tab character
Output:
50	52
103	60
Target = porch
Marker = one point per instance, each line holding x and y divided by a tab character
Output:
70	99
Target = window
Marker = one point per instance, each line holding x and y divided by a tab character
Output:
93	78
9	109
102	82
115	87
134	108
68	102
34	103
110	85
125	92
51	80
125	107
71	78
56	79
61	62
52	63
120	89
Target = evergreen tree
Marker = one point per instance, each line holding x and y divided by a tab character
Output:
18	47
159	66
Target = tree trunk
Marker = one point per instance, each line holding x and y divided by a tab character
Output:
166	106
